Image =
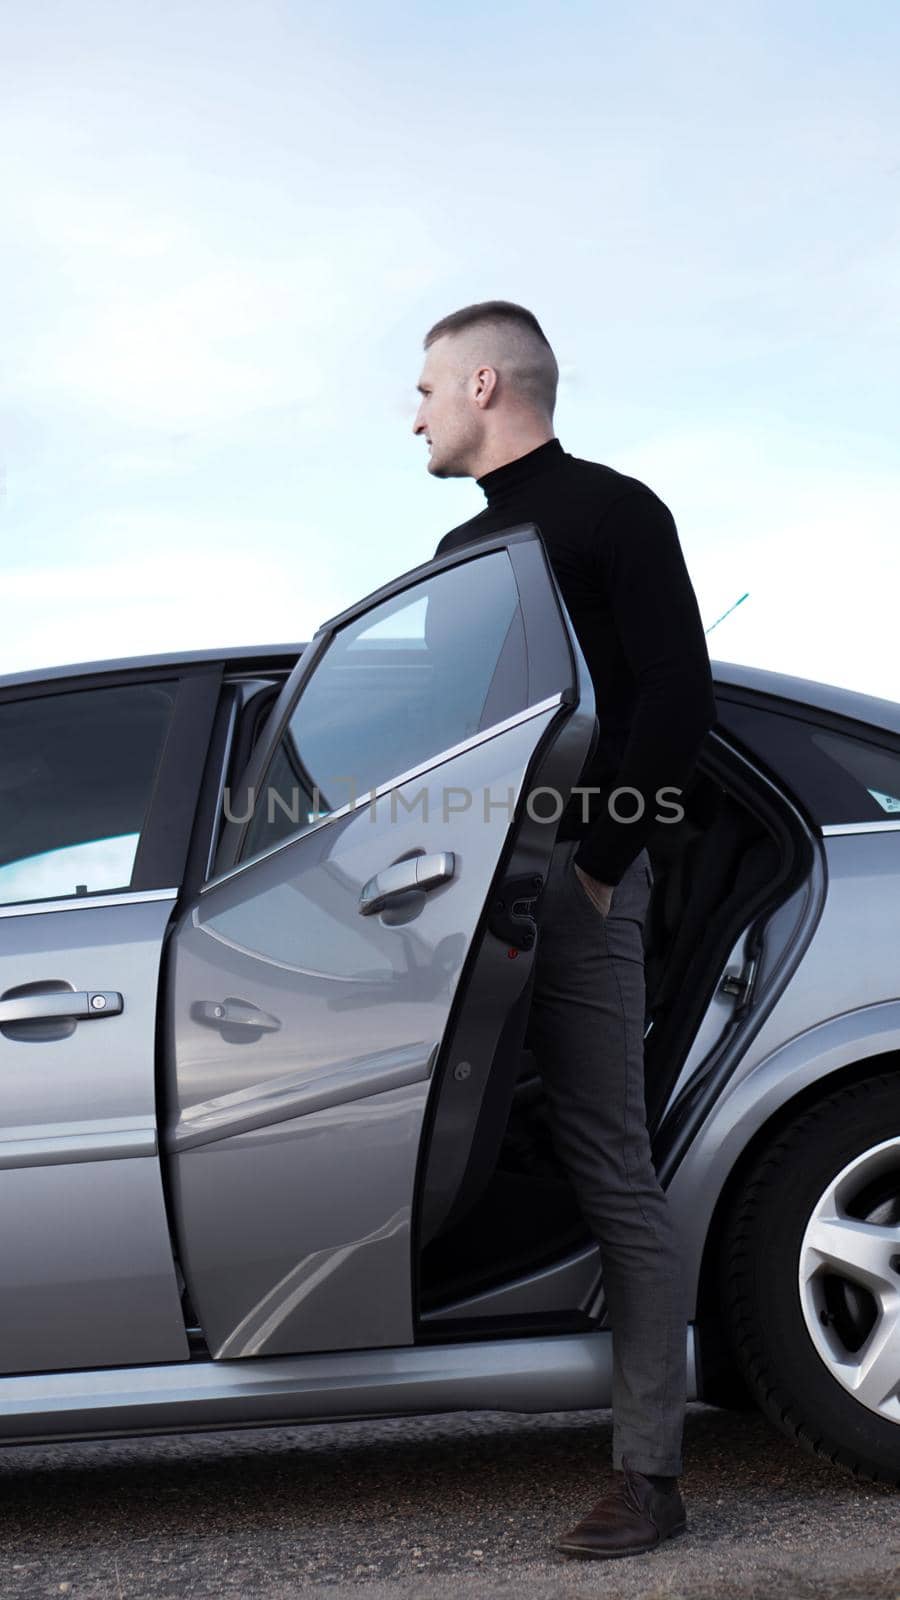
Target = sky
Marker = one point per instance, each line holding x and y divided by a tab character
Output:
226	228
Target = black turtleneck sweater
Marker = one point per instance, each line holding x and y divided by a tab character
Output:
615	552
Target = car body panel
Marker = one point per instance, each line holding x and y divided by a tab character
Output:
83	1230
563	1373
832	1013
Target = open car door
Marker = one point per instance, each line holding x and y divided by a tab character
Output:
394	827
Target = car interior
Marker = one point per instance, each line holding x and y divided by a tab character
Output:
712	871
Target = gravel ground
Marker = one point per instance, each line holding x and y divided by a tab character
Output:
464	1506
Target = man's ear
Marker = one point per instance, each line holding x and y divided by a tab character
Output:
484	381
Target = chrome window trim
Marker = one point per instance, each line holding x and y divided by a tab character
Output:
831	829
81	902
370	795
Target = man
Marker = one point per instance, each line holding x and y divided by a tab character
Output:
488	390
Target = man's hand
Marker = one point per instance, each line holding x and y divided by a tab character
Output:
599	894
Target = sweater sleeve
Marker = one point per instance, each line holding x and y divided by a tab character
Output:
638	559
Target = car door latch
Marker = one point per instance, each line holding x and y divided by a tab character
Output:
739	985
511	918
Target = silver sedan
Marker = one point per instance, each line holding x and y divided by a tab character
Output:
273	1146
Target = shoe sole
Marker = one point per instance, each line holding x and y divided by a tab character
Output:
591	1553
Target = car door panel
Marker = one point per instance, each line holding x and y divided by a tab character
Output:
98	783
302	1025
277	1254
84	1240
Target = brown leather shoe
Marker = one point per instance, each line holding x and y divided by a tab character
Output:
632	1516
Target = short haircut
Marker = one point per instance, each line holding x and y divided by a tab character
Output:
530	364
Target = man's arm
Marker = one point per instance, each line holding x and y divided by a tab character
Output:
640	563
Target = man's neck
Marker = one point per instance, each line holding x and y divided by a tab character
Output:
499	452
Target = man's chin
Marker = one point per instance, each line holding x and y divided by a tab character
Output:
442	469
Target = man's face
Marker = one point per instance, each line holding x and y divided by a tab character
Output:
447	416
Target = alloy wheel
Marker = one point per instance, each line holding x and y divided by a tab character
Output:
849	1278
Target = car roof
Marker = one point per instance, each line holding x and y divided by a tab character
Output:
243	656
829	697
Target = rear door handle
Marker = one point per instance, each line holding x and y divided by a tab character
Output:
234	1013
61	1005
417	872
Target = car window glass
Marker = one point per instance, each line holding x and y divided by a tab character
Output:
838	777
875	770
403	628
76	775
422	672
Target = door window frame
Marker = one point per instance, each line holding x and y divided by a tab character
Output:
162	847
549	656
773	715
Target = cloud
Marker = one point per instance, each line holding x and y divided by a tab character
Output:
145	605
812	532
219	258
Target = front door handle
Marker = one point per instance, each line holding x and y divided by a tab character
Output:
61	1005
416	872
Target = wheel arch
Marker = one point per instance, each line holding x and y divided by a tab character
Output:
877	1052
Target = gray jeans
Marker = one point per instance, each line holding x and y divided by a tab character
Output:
586	1028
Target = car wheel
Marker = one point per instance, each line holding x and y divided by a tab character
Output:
811	1279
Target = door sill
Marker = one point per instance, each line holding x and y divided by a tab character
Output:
568	1372
518	1325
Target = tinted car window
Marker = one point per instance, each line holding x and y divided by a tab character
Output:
424	671
875	769
839	775
76	776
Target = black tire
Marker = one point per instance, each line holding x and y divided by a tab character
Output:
759	1280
